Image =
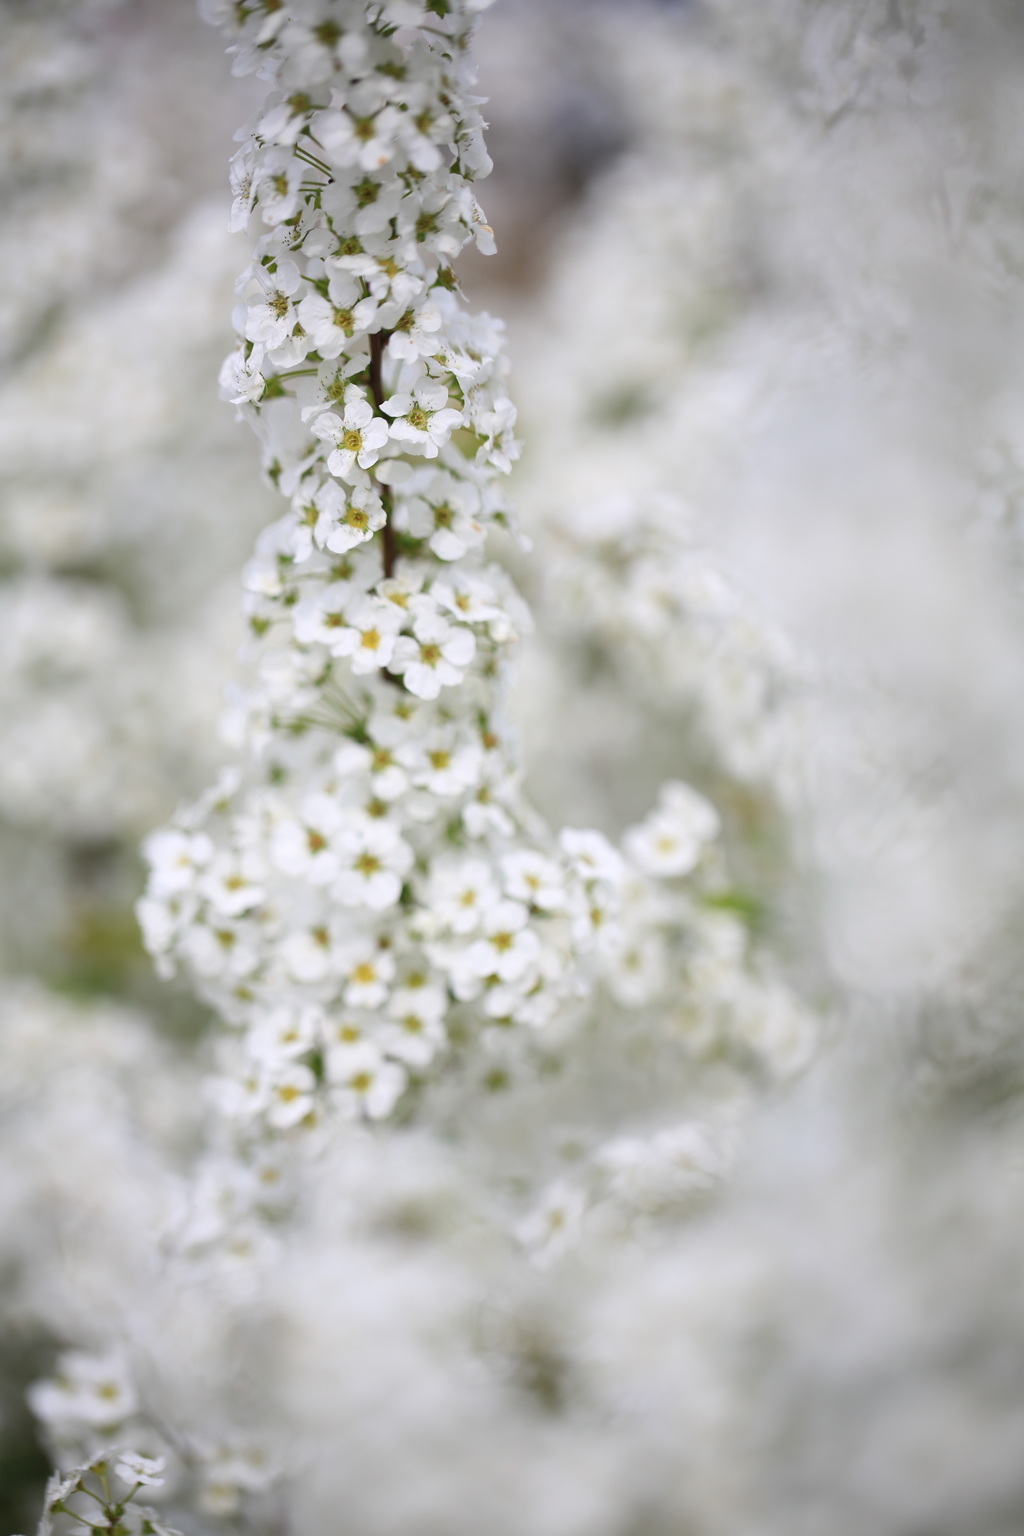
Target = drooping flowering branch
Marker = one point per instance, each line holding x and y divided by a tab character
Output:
376	878
374	895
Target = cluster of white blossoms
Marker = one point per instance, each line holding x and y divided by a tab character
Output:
110	1482
373	895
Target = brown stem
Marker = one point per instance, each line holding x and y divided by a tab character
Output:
378	341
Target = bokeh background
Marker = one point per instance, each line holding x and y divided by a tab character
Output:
762	268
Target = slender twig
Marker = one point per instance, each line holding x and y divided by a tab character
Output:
378	341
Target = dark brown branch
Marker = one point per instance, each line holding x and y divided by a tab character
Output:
378	341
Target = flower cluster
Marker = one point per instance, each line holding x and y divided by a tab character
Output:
375	880
110	1482
373	898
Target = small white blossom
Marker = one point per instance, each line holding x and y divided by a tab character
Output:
140	1471
175	858
416	1032
591	854
423	419
285	1033
290	1088
358	435
446	513
372	864
441	763
435	656
672	838
332	321
460	894
368	636
351	137
415	333
508	946
87	1391
240	379
366	1084
367	971
534	879
305	847
278	184
272	315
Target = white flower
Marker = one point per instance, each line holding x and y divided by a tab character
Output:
473	598
357	519
243	186
591	854
415	333
90	1391
534	879
368	636
174	859
367	971
278	184
488	810
508	947
332	321
436	655
141	1471
364	1083
231	885
593	909
387	778
240	379
343	1034
417	1032
285	1033
445	515
373	862
423	420
377	264
271	315
438	224
320	617
460	894
306	954
305	847
364	204
672	838
442	764
225	947
358	435
350	137
290	1087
